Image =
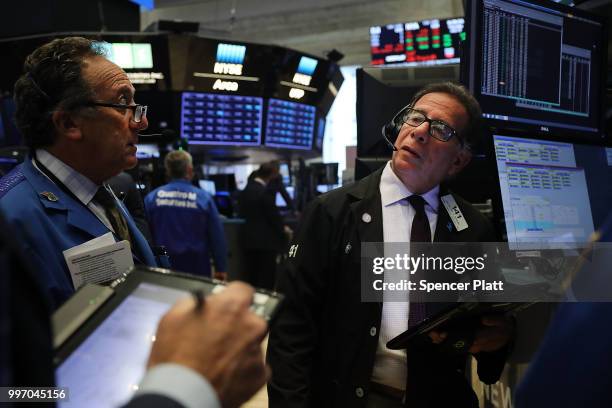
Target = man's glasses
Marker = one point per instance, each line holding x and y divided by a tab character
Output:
139	111
437	129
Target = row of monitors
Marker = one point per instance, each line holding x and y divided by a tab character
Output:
426	42
220	119
554	194
182	62
537	66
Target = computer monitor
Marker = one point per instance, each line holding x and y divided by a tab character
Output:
285	173
427	42
224	182
216	119
208	186
537	66
280	201
147	151
325	173
128	55
554	194
290	124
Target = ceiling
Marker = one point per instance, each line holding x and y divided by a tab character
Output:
311	26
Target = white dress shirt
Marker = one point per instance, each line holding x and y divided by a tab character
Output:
390	365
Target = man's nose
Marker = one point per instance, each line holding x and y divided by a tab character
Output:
142	125
421	132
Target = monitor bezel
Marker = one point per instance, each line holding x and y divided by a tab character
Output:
471	77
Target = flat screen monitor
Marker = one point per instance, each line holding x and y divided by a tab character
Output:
285	173
554	194
427	42
216	119
325	173
320	135
223	182
208	186
537	66
147	151
290	124
280	201
128	55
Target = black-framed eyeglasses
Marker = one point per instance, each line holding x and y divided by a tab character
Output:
139	111
437	129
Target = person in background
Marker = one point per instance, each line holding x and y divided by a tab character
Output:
263	235
185	220
124	187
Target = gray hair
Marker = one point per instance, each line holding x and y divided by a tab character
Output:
176	163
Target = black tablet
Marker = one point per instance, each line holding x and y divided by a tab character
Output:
103	334
460	317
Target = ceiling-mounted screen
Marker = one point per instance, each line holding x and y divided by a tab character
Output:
289	124
128	55
216	119
225	67
537	66
434	41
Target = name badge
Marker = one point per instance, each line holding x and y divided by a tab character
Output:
454	212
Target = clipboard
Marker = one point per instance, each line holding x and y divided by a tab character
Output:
460	317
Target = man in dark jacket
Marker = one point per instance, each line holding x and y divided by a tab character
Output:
328	348
263	235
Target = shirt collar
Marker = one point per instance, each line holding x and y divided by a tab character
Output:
79	185
260	181
392	190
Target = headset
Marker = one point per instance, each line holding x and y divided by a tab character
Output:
391	130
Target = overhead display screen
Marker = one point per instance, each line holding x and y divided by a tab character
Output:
418	43
144	58
217	119
128	55
289	124
224	67
302	78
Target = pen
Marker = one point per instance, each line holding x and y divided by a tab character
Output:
200	299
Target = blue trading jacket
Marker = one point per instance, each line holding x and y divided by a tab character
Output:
185	220
45	227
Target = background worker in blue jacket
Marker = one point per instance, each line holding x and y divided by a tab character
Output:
185	220
76	112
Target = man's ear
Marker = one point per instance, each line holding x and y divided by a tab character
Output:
67	125
463	157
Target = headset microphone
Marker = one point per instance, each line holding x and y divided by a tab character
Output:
168	134
389	133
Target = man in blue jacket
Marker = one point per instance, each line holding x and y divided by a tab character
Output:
76	112
185	220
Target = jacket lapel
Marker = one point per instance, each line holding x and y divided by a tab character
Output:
367	212
54	198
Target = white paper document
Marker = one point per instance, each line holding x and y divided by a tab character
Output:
98	260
